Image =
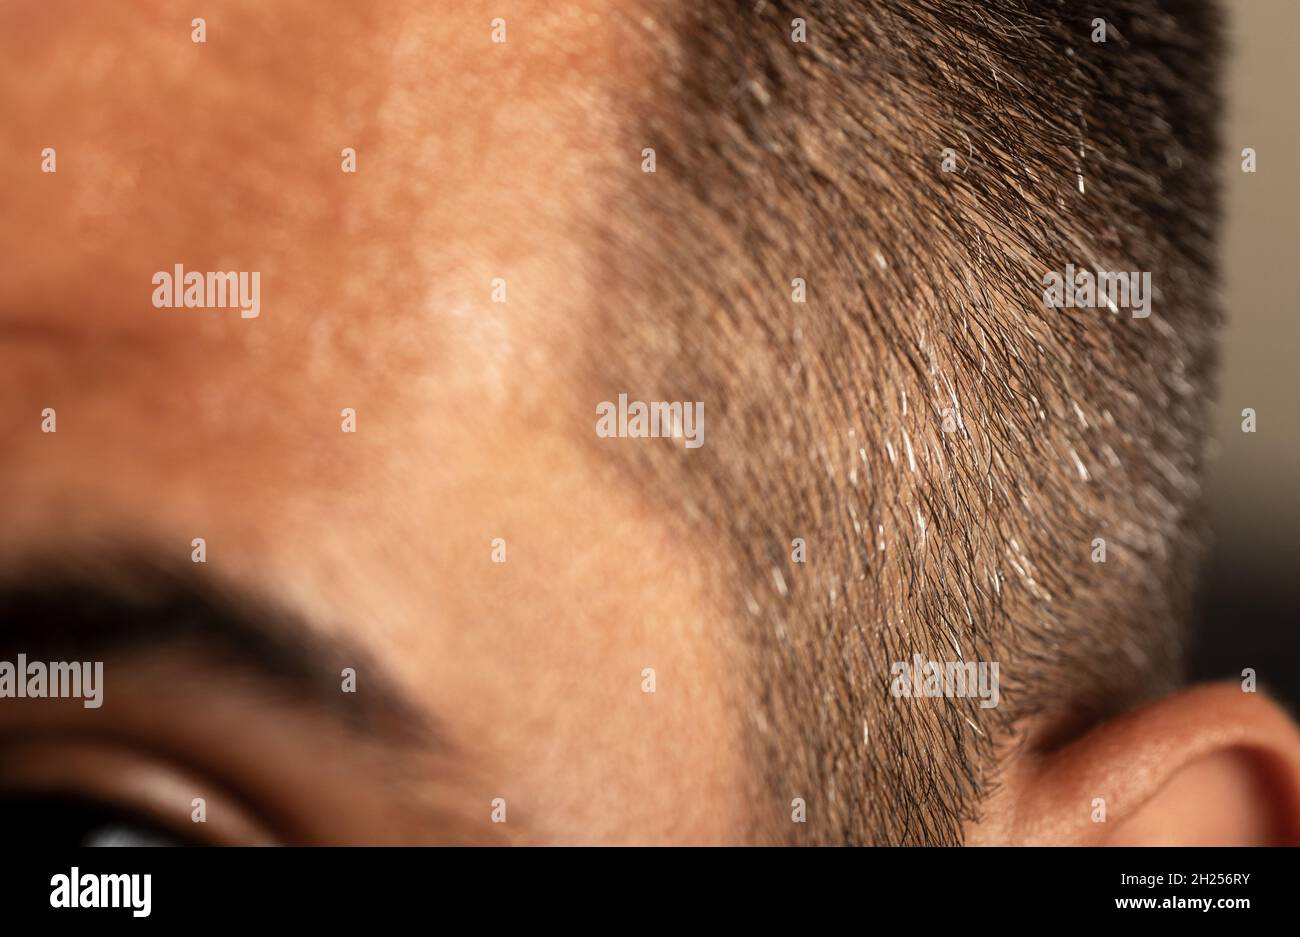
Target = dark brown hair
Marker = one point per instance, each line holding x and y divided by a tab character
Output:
948	446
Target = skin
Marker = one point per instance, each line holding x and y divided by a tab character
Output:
474	162
376	286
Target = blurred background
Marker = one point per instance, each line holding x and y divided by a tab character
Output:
1250	610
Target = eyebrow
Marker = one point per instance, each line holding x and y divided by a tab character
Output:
141	607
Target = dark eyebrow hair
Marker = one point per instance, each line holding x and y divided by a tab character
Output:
121	608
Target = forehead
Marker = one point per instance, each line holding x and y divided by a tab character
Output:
230	154
379	289
473	162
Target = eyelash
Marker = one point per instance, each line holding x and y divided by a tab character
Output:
71	818
67	782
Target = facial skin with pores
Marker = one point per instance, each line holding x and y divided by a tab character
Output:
522	682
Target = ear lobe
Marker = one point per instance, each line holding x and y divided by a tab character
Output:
1207	766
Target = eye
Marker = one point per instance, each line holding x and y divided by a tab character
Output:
62	790
65	820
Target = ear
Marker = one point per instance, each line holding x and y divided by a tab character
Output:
1211	765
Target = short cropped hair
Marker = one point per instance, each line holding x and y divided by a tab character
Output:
949	449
